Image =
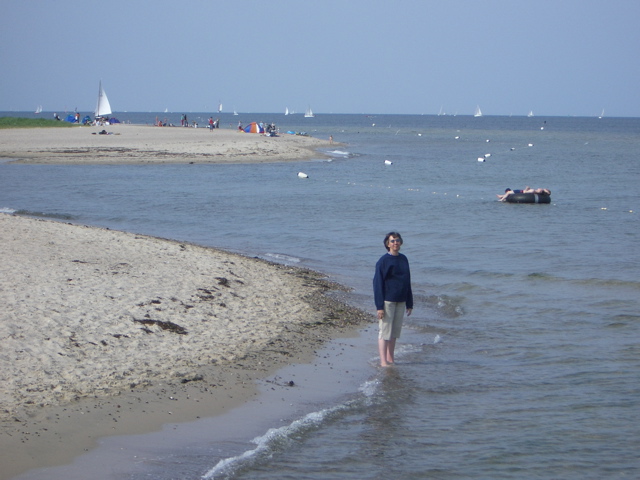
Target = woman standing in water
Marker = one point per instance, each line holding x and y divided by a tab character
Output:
392	295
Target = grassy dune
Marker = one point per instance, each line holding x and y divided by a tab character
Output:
17	122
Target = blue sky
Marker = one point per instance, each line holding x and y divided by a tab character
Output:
555	57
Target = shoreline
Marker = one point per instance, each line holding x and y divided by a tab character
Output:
113	333
147	144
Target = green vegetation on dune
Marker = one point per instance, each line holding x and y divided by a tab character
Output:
18	122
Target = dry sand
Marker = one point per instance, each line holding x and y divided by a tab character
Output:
136	144
106	332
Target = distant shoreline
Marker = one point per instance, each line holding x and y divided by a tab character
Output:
147	144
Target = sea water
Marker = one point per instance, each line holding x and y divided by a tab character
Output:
522	356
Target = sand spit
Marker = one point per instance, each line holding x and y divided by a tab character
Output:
141	144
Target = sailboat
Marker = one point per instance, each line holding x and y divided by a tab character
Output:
309	113
219	106
38	109
601	115
286	110
478	112
102	107
530	114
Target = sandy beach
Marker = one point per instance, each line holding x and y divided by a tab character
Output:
105	332
140	144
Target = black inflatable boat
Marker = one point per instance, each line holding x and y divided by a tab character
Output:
528	198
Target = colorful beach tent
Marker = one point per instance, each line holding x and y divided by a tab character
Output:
71	118
253	127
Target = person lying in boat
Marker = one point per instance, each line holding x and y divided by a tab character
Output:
508	191
539	191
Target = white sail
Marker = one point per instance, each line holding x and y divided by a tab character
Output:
478	112
102	107
219	106
530	114
309	113
38	109
286	110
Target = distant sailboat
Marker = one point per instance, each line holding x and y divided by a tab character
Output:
219	107
234	112
102	107
478	112
38	109
530	114
286	110
309	113
601	115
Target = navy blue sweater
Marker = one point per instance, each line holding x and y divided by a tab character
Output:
392	281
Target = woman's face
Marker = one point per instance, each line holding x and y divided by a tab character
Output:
394	245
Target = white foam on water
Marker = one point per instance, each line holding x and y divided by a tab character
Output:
282	258
272	441
339	153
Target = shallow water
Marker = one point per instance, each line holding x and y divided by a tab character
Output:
522	356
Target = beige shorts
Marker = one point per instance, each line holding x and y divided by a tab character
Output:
391	323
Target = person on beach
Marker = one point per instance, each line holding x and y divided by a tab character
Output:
392	295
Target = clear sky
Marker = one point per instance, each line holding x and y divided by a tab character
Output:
554	57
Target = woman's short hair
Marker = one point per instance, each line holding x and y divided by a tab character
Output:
388	236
